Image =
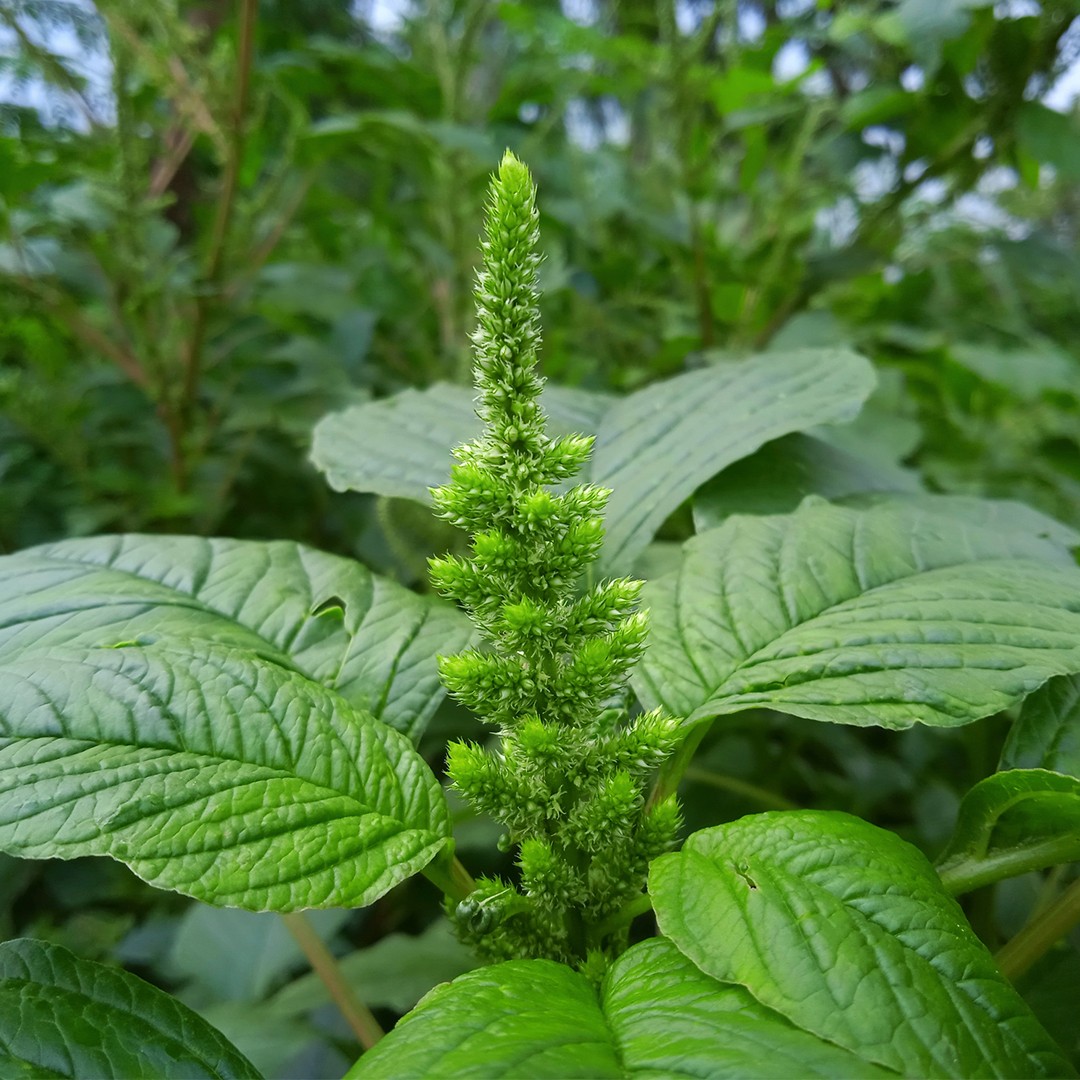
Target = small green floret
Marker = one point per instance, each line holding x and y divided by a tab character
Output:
570	778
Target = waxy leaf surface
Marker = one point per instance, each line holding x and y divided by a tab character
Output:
845	930
163	718
402	446
657	446
890	614
62	1016
370	639
1011	823
1046	734
656	1015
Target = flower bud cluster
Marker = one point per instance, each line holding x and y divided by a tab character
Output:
569	778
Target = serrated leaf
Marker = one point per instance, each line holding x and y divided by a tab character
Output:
64	1016
656	447
370	639
402	446
888	615
776	478
845	930
1046	734
211	770
656	1015
1011	823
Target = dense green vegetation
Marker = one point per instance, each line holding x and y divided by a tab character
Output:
835	245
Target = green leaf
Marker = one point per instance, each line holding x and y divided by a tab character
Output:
224	954
1046	734
532	1018
845	930
656	1015
669	1018
1011	823
892	614
156	708
64	1016
653	448
393	973
370	639
776	478
1027	372
402	446
211	771
1050	136
656	447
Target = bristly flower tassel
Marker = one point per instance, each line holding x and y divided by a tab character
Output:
570	778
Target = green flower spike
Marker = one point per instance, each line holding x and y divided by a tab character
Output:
571	773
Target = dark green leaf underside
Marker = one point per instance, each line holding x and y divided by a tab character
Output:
777	478
1046	735
64	1016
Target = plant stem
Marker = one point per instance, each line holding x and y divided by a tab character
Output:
967	874
448	874
1043	931
356	1013
624	916
769	799
223	217
673	770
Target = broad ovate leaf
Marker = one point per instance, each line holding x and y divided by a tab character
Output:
656	447
161	716
368	638
1011	823
889	614
62	1016
1046	734
402	446
847	932
656	1014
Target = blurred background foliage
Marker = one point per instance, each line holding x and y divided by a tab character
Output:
221	219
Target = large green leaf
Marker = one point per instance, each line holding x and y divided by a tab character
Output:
890	614
156	709
401	446
656	447
846	931
653	448
62	1016
1046	734
370	639
656	1015
212	771
1010	823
